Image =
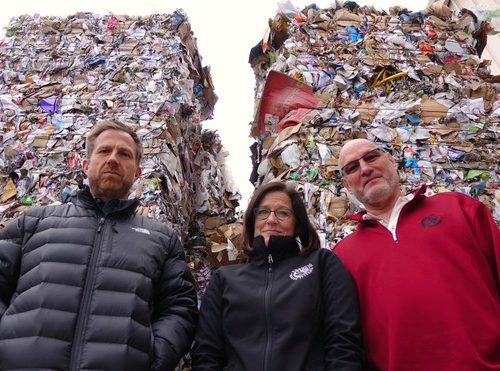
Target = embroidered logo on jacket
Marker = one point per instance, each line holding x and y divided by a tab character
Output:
301	272
430	221
141	230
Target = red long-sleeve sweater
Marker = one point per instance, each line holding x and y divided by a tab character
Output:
430	299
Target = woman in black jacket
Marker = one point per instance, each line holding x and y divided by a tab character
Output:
292	307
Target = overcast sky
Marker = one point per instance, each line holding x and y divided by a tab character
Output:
226	31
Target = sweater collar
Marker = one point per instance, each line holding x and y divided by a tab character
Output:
279	247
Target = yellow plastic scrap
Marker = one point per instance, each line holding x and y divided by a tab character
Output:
384	76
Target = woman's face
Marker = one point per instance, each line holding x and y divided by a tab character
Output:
280	221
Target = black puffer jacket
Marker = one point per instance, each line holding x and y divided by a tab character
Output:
80	290
281	311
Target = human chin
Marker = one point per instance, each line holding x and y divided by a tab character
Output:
116	190
375	193
373	182
110	183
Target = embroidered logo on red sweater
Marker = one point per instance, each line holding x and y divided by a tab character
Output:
430	221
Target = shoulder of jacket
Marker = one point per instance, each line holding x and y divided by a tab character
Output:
453	194
32	216
460	199
349	243
49	210
322	256
323	252
349	238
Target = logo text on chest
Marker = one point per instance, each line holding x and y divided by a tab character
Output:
301	272
141	230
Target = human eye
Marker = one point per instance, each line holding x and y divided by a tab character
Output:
103	150
283	213
351	167
126	154
262	213
371	156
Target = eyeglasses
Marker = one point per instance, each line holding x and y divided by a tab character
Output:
281	214
369	157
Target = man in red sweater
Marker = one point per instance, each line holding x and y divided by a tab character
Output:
427	269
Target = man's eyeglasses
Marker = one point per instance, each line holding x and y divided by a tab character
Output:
281	214
369	157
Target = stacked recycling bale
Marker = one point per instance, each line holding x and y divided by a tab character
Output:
412	81
212	235
59	76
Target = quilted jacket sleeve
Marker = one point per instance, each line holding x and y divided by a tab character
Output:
175	310
209	351
10	260
342	329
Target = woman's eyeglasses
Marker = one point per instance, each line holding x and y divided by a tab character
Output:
369	157
281	214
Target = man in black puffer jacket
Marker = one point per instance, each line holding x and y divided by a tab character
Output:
92	285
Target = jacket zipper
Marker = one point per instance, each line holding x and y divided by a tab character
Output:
82	317
269	286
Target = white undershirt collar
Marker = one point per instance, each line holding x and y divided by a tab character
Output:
396	210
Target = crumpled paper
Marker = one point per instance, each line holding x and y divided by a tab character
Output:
411	81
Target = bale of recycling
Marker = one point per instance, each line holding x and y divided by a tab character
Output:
411	81
61	75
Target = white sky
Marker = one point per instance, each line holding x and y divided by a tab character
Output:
225	31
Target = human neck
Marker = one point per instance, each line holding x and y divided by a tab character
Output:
383	210
105	198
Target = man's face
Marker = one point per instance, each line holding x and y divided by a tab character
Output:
112	167
375	182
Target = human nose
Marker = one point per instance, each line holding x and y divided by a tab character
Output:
364	167
272	217
113	157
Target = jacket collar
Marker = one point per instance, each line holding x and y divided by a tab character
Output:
418	192
280	247
110	207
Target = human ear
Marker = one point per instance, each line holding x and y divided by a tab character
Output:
138	172
85	165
